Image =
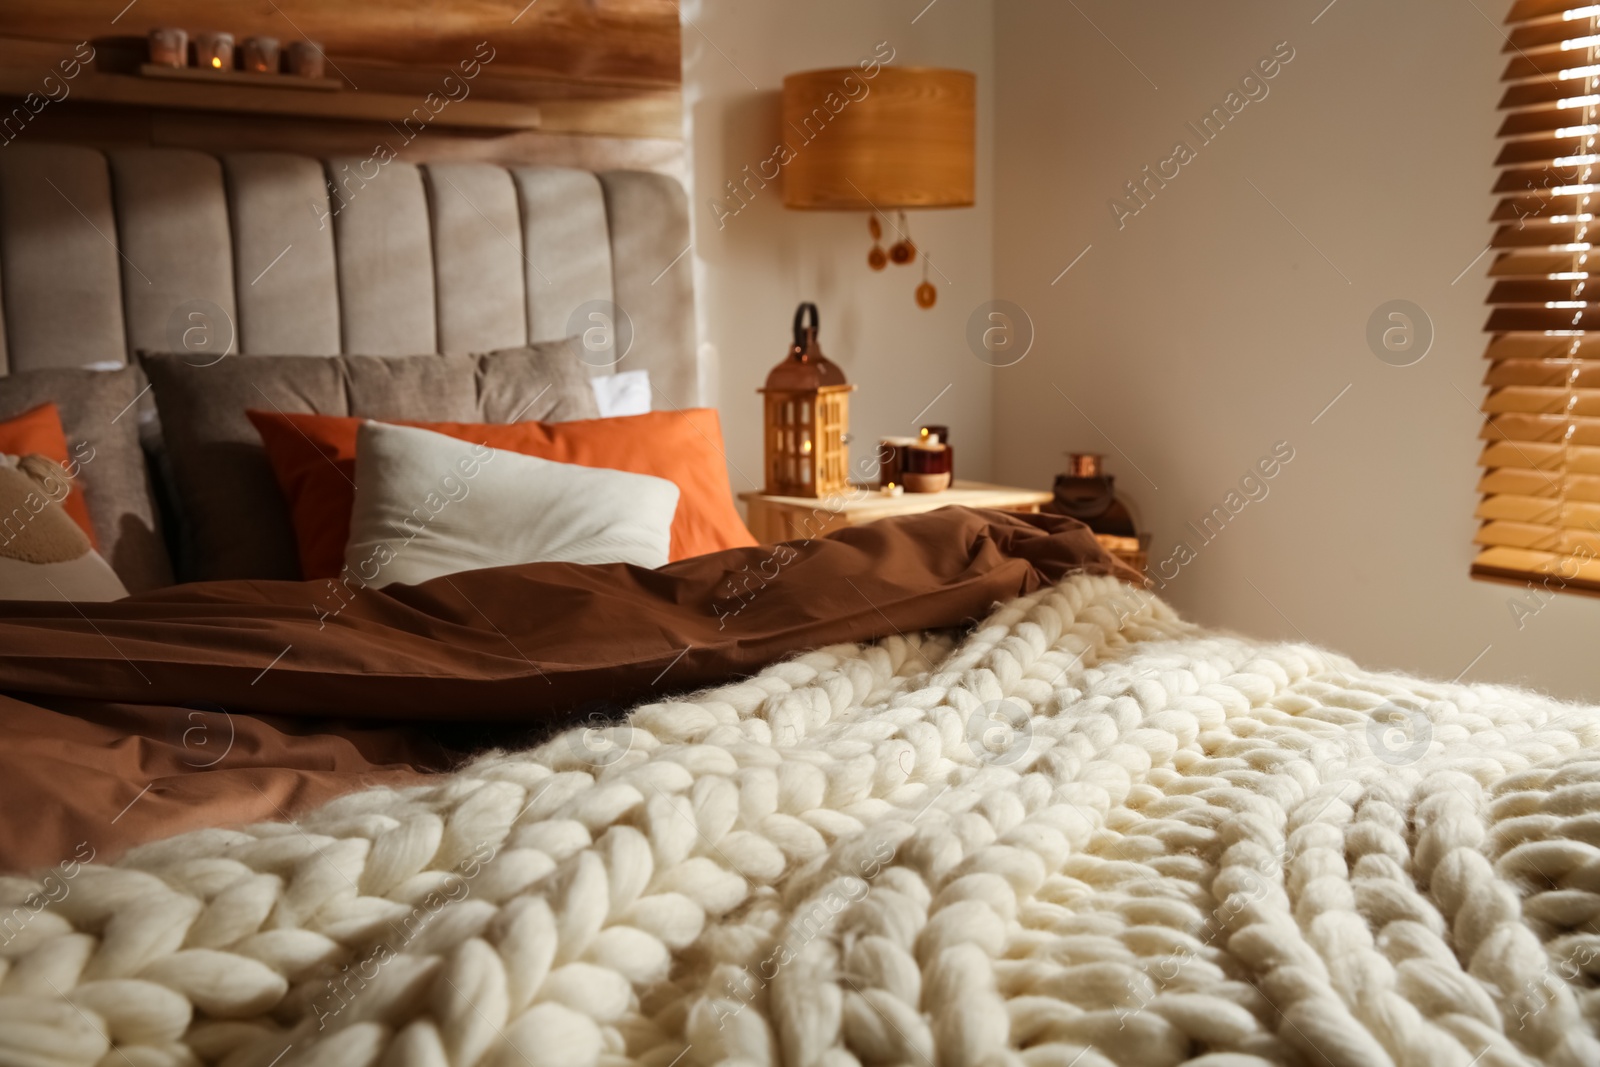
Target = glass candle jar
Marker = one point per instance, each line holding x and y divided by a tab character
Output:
891	460
260	55
939	435
169	47
926	468
213	50
305	59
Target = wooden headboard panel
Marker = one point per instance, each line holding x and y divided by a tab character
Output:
584	83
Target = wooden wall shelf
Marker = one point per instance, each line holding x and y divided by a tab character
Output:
239	77
197	95
503	101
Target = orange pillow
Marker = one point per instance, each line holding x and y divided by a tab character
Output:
314	459
39	430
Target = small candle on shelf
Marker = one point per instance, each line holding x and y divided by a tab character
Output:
892	489
260	55
305	59
213	50
169	47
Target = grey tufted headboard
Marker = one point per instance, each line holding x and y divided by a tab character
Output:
102	254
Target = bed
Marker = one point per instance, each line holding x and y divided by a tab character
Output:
946	789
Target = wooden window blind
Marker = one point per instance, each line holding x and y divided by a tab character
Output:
1540	510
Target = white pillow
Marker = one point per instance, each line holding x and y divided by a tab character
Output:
428	504
624	393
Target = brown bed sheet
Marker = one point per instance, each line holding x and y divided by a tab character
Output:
229	702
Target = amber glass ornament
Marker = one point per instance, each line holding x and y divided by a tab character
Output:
927	295
902	251
877	259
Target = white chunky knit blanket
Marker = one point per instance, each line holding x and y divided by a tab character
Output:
1089	833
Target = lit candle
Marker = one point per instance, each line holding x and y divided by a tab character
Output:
892	489
213	49
260	55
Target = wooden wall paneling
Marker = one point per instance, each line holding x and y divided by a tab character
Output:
608	68
627	41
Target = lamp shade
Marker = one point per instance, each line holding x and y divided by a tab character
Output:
903	138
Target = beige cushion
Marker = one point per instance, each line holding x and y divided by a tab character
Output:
429	505
544	383
101	422
87	578
238	522
43	553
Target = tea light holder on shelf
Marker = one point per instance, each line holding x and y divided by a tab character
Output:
305	59
213	50
807	418
260	55
169	47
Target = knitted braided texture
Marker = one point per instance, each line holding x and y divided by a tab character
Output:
1089	833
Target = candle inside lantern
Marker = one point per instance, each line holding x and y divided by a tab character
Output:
213	49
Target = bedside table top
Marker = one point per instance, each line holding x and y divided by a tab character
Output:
863	503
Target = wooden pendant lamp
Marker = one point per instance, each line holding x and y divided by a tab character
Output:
904	137
901	139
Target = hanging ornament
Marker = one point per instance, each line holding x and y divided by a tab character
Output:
927	295
902	251
877	259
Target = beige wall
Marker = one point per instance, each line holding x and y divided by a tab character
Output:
1208	328
757	265
1218	321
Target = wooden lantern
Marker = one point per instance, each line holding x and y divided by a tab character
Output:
807	418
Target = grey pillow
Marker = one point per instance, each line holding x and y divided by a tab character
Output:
238	520
101	419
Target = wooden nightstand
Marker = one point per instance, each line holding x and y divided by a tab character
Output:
788	518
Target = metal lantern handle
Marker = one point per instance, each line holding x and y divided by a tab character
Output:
799	322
